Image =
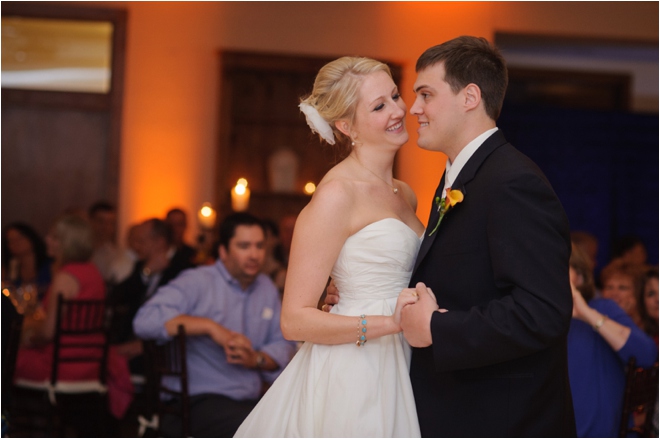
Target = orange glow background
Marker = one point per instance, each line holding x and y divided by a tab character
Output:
171	99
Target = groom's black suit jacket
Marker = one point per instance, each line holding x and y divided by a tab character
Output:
499	264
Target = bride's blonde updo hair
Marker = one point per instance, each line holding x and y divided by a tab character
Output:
336	92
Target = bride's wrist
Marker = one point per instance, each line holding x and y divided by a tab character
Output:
394	326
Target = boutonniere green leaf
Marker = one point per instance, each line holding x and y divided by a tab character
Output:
452	198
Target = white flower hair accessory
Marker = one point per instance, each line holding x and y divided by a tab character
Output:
317	123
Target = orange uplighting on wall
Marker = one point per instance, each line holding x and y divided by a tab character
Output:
171	100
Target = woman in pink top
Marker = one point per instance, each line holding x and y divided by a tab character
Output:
75	278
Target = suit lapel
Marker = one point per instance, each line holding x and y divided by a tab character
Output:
433	217
480	155
465	176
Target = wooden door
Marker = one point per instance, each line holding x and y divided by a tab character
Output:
60	149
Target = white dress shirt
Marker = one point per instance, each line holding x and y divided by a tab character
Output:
453	169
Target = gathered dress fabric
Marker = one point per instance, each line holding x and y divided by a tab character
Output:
35	363
344	390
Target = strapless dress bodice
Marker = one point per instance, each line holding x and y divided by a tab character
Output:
377	261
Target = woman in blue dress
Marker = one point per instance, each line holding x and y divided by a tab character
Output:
601	340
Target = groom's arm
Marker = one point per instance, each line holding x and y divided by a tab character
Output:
529	248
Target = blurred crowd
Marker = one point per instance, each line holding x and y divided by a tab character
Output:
79	259
615	314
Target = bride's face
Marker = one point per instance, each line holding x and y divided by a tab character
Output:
380	112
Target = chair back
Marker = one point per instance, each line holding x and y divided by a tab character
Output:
10	352
640	395
168	360
80	335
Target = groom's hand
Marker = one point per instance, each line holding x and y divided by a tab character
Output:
416	318
331	296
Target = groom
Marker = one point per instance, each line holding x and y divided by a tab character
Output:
495	363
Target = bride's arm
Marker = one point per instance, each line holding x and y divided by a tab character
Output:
320	232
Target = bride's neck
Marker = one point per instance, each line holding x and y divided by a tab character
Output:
380	163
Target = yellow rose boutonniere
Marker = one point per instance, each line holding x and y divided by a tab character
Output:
452	198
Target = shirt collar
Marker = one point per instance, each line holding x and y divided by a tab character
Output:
232	280
453	169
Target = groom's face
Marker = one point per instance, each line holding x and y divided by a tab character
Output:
437	108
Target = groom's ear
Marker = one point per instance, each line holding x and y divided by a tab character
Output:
472	94
344	127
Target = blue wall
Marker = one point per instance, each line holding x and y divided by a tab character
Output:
602	165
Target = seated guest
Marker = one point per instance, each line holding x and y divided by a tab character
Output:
622	284
647	303
601	340
231	313
156	267
24	258
10	316
588	244
103	219
127	257
287	225
178	221
274	265
648	309
75	277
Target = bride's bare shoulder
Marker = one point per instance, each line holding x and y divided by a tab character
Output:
334	194
334	191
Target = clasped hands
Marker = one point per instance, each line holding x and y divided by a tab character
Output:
238	348
414	309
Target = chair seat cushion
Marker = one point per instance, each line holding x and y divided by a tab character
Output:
68	387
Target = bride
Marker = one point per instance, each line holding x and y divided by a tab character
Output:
350	377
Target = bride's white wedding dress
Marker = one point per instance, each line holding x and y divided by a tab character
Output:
345	390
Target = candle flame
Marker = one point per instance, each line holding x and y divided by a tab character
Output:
310	188
206	216
206	211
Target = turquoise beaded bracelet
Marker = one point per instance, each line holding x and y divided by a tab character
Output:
361	331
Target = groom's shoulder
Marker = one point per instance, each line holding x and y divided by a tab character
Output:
507	162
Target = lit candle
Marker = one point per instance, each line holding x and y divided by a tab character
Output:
207	216
240	196
309	188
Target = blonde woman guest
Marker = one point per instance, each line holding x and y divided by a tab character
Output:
75	277
350	378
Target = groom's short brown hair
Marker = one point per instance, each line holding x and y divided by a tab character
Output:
471	60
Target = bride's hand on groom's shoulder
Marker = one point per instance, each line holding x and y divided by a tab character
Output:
416	318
